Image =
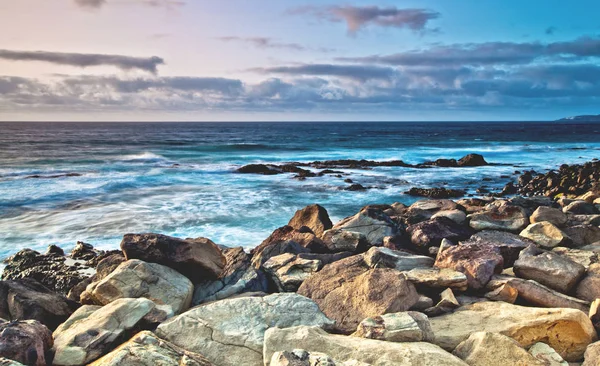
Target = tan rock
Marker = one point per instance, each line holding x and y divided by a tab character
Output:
546	235
447	303
372	223
549	214
583	257
499	215
338	240
314	217
457	216
377	257
588	197
504	292
410	326
288	271
25	341
589	287
437	278
592	355
491	349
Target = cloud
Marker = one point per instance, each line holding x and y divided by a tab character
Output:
359	17
551	30
90	3
263	42
148	64
354	72
489	53
96	4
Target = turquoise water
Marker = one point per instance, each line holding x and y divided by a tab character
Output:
179	178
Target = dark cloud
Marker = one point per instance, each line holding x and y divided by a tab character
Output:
90	3
148	64
489	53
354	72
358	17
551	30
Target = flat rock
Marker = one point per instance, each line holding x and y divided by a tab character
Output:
168	289
288	271
28	342
430	233
546	235
344	348
501	216
146	349
509	244
568	331
93	331
491	349
27	299
314	217
231	332
478	262
548	268
437	278
410	326
457	216
377	257
549	214
198	259
372	223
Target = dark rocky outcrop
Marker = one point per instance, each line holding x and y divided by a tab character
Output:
28	342
436	192
427	234
569	179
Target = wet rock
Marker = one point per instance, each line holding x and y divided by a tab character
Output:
28	342
501	216
472	160
338	240
436	192
236	327
478	262
198	259
372	223
546	235
56	250
430	233
84	251
288	271
258	169
27	299
355	187
410	326
490	349
509	245
314	217
549	214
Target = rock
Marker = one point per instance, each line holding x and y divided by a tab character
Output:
446	304
48	269
457	216
84	251
436	192
27	299
238	276
338	240
547	355
299	357
548	268
262	255
93	331
434	206
146	349
491	349
535	294
437	278
589	287
355	187
168	289
502	216
103	269
56	250
343	348
505	292
288	271
552	215
372	223
286	239
588	197
236	327
583	257
7	362
575	220
198	259
314	217
592	355
430	233
478	262
422	304
583	234
349	291
509	245
410	326
580	208
258	169
28	342
472	160
402	261
568	331
546	235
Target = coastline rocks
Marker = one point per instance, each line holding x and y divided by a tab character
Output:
257	169
436	192
288	271
314	217
104	267
546	235
238	276
338	240
592	355
93	331
549	214
490	349
345	349
300	357
168	289
372	223
437	278
146	349
348	291
568	331
472	160
548	268
235	328
547	355
478	262
410	326
580	208
457	216
427	234
197	259
589	287
499	216
509	244
28	342
378	257
27	299
286	239
583	234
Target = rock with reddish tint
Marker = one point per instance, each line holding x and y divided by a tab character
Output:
28	342
509	244
478	262
198	259
427	234
272	245
314	217
472	160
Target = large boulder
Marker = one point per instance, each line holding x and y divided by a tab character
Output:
372	223
478	262
568	331
491	349
286	239
549	214
168	289
509	244
198	259
338	240
314	217
146	349
231	332
344	349
499	216
549	269
426	209
427	234
580	208
300	357
28	342
583	234
589	287
238	276
349	291
105	266
27	299
93	331
410	326
546	235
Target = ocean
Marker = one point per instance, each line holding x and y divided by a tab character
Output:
66	182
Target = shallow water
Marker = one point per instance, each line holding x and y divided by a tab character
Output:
179	178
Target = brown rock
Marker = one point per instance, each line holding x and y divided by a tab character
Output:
583	234
592	355
338	240
499	215
509	244
28	342
372	223
491	349
314	217
549	214
198	259
410	326
505	292
430	233
589	287
478	262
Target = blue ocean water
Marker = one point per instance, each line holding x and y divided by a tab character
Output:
97	181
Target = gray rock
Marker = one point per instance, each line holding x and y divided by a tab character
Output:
583	234
437	278
583	257
478	262
377	257
499	215
410	326
589	287
338	240
446	304
491	349
580	208
547	355
288	271
509	244
372	223
457	216
430	233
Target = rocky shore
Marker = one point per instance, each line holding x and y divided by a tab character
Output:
497	280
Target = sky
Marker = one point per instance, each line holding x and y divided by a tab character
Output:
298	60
